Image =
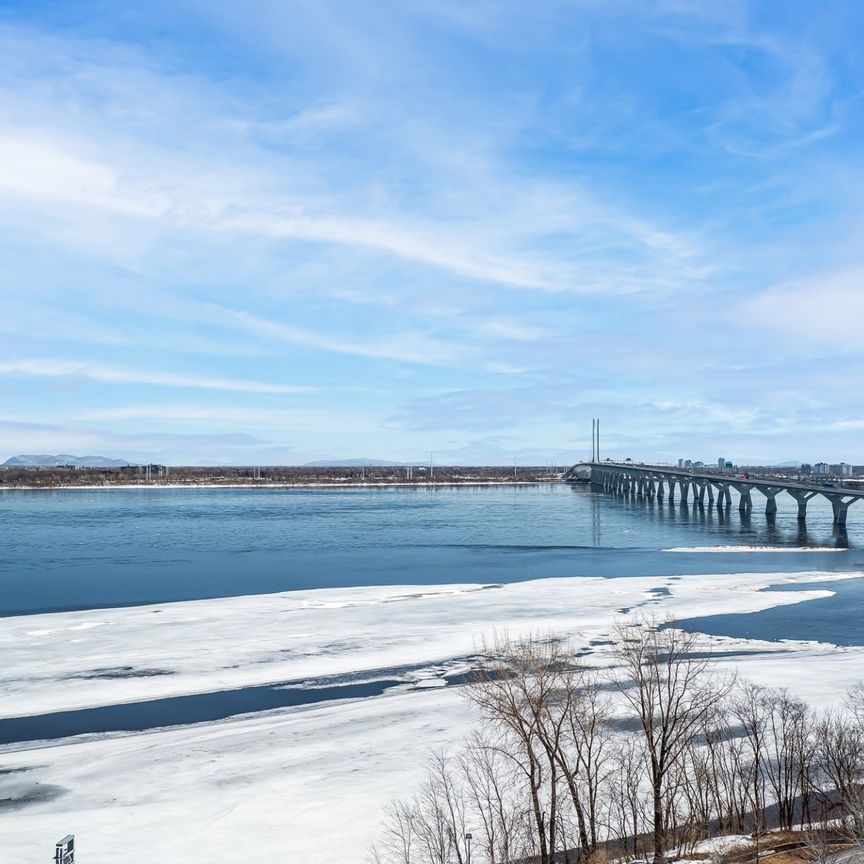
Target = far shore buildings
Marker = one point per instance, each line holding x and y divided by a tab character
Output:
805	469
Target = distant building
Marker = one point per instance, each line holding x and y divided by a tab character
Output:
821	468
806	469
699	465
680	463
721	462
845	470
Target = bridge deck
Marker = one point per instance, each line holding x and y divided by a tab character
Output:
772	483
639	479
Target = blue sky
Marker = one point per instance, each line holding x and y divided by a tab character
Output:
272	232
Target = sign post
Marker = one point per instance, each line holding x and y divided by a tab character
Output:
64	851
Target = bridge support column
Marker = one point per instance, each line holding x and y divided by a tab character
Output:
802	498
710	487
684	486
699	492
661	492
671	489
745	505
840	505
770	493
721	493
651	489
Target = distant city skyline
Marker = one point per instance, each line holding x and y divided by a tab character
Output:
283	233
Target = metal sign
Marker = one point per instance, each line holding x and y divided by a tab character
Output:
64	851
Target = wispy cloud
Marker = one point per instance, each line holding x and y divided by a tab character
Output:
406	347
826	310
50	368
456	227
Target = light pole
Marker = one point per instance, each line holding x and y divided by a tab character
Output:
468	838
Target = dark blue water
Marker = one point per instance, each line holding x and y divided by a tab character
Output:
177	710
68	549
838	619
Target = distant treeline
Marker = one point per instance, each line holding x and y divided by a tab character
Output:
289	475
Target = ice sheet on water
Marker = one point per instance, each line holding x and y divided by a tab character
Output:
52	662
310	783
302	785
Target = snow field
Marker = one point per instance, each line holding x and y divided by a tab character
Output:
309	784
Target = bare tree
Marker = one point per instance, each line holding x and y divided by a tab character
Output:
585	756
627	816
855	701
751	708
439	820
515	692
840	754
787	730
665	681
546	780
399	836
817	848
495	797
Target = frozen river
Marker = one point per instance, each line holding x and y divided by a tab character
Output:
208	666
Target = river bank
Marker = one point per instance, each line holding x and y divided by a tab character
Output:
301	477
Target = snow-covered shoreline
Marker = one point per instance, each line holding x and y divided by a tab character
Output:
313	780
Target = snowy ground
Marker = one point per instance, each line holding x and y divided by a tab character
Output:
305	784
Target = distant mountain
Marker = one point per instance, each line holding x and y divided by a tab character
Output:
357	463
792	463
45	461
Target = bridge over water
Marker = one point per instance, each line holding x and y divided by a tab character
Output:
650	481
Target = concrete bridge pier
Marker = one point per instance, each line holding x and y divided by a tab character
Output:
802	498
770	493
632	481
745	504
840	505
724	497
